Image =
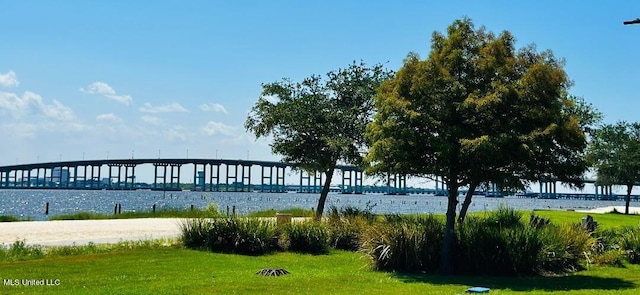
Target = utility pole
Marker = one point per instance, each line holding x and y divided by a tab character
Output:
631	22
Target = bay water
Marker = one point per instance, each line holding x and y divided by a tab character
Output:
31	203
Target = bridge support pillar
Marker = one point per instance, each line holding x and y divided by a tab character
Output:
347	186
215	177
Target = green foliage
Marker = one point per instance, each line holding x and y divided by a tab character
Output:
609	258
305	237
401	243
316	123
19	251
564	248
478	110
295	212
346	226
630	243
8	218
615	154
248	236
498	245
504	217
210	212
156	271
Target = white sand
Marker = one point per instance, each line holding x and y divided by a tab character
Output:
602	210
81	232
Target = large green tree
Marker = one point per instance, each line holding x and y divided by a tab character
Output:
478	110
318	122
614	152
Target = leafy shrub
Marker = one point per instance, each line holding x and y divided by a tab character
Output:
346	233
608	258
630	243
20	251
194	233
230	235
8	218
538	222
497	245
305	237
502	244
504	217
352	212
405	244
564	247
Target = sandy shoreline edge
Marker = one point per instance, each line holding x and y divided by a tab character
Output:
82	232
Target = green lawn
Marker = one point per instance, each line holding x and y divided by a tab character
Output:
181	271
605	221
170	270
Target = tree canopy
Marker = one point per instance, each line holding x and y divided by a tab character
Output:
615	154
478	110
317	123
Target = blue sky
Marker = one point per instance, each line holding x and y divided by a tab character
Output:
165	78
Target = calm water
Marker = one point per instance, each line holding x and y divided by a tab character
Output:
31	203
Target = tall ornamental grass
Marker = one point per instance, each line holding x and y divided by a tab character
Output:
305	237
248	236
404	243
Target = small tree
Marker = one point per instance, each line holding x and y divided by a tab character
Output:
476	110
615	154
317	123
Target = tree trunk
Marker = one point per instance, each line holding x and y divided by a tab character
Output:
324	193
627	198
467	202
448	247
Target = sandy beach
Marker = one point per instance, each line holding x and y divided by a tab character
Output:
609	209
81	232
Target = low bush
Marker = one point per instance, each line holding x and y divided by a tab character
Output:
345	233
21	251
211	211
404	243
248	236
9	218
295	212
630	243
564	247
500	243
608	258
305	237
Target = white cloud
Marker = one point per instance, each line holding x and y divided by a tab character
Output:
110	117
216	107
176	134
215	128
57	111
152	120
32	103
9	79
102	88
168	108
20	130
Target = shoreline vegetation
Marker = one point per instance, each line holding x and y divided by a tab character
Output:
332	252
210	212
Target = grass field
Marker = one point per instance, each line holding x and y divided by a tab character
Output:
171	270
181	271
605	221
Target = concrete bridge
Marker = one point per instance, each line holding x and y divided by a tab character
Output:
208	175
226	175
